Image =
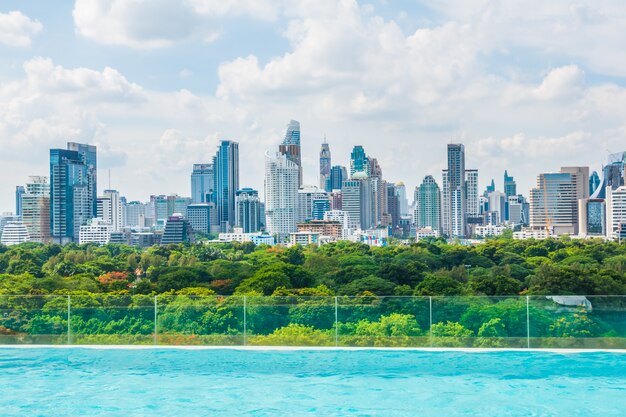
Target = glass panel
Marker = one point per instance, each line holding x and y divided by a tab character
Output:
193	320
480	322
111	320
591	322
291	321
33	320
383	321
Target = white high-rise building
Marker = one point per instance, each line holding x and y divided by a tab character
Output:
282	177
616	212
454	207
36	209
471	181
403	203
497	205
134	214
342	217
109	209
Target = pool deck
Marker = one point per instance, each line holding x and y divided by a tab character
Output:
311	348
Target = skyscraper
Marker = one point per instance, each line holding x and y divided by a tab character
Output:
338	174
226	171
471	180
249	210
71	202
202	183
109	209
307	195
402	200
510	186
594	182
19	192
36	209
455	205
281	194
291	147
554	203
359	161
325	165
428	204
89	156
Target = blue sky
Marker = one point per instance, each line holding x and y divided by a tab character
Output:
528	86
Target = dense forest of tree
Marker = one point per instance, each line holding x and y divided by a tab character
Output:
328	295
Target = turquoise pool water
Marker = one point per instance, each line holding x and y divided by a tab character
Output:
215	382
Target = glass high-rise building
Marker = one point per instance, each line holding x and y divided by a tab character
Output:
594	182
71	202
325	166
510	186
226	172
338	174
455	192
249	210
19	192
471	181
36	209
291	147
428	204
359	161
89	156
202	183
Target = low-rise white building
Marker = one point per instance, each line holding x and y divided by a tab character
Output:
14	233
531	233
97	231
426	232
237	235
304	238
489	230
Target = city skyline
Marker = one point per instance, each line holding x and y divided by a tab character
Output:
413	77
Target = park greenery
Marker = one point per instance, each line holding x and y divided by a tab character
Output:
428	293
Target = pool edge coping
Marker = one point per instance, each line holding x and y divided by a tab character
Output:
312	348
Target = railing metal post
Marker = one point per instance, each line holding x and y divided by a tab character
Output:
336	322
69	317
245	324
156	309
528	322
430	328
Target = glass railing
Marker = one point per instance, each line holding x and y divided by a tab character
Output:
467	322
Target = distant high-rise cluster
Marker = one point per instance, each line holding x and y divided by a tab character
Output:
352	201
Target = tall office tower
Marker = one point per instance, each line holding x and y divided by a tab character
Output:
109	209
226	166
616	213
281	194
445	203
510	186
89	156
134	214
248	210
335	200
428	204
36	209
202	183
291	147
307	195
351	202
553	203
338	174
471	181
490	188
325	165
402	200
359	161
580	176
454	205
594	182
19	192
498	205
166	206
393	206
379	188
612	175
70	195
203	217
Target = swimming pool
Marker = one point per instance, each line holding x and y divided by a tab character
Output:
228	382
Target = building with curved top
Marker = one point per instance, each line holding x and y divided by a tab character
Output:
14	233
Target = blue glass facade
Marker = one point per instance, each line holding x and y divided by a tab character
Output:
70	197
19	192
202	183
226	183
359	161
338	174
89	156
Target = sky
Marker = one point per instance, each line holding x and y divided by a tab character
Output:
528	86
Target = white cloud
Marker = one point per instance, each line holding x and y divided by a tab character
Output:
16	29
